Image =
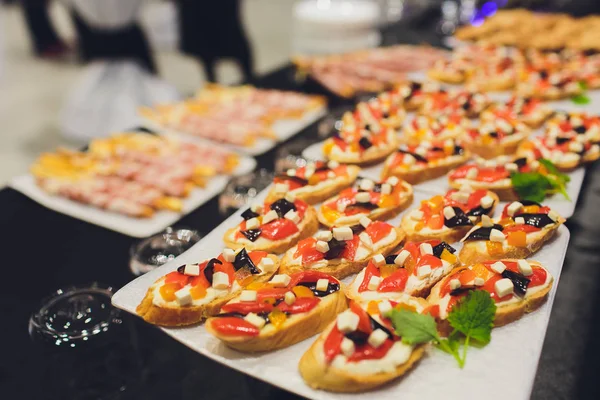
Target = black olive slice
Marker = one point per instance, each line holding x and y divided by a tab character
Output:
331	288
209	271
365	143
377	325
519	281
252	234
579	129
438	249
530	203
537	220
460	219
368	206
478	211
356	229
242	259
458	150
296	179
282	206
483	233
249	214
562	140
358	337
391	259
462	289
521	162
415	155
336	248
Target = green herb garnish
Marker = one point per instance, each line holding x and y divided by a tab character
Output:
535	186
581	99
472	317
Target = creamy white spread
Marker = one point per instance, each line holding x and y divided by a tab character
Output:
397	355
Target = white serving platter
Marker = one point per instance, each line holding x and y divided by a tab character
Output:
136	227
505	369
283	128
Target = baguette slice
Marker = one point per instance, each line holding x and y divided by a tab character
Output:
508	310
530	111
340	266
337	374
387	199
282	330
486	142
361	155
325	180
435	128
156	310
566	152
307	226
480	239
410	271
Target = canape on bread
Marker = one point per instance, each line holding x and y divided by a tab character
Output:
279	313
548	85
273	226
449	217
411	271
314	182
566	153
496	138
462	102
342	251
413	94
377	201
386	108
360	350
428	160
529	110
435	128
197	291
574	124
522	230
494	75
453	71
517	287
493	175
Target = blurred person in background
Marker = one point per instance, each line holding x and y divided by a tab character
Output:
213	30
46	42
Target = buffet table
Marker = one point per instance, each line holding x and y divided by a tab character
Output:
49	250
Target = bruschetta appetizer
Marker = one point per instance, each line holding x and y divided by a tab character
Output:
428	160
454	71
548	85
412	271
584	127
566	153
494	75
314	182
517	287
462	102
279	313
377	201
195	292
413	94
344	250
531	111
273	226
449	217
522	230
360	350
431	128
496	138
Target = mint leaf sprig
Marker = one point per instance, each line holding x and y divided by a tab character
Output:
472	317
581	98
535	186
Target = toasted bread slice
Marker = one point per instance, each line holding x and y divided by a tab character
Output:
487	146
156	310
294	328
507	311
368	156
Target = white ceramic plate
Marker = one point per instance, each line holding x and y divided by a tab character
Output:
505	369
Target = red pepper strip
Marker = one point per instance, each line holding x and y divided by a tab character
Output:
176	277
350	249
332	344
364	323
225	267
270	293
368	352
429	259
257	255
521	228
396	282
247	307
300	305
279	229
310	276
301	207
377	230
370	272
234	326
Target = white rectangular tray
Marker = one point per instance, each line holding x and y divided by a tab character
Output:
136	227
284	129
505	369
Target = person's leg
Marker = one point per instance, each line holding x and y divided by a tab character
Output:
37	19
208	66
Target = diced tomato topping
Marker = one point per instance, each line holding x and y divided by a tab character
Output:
332	344
176	277
368	352
300	305
377	230
370	272
234	326
247	307
279	229
364	322
395	282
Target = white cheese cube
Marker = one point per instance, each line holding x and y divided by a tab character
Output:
486	221
347	347
392	180
325	236
248	295
378	260
362	197
281	188
486	202
308	172
289	298
330	175
408	159
449	212
322	285
322	246
575	147
255	320
220	280
465	188
365	221
472	173
257	208
386	188
374	283
478	281
347	322
416	215
229	255
365	239
513	208
524	267
460	197
191	269
280	280
554	216
377	337
511	167
183	296
292	216
333	164
270	216
401	257
266	264
422	151
498	267
496	235
291	197
367	184
503	287
454	284
344	233
341	206
385	307
520	221
425	248
291	172
252	223
423	271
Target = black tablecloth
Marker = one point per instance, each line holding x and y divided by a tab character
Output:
43	250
